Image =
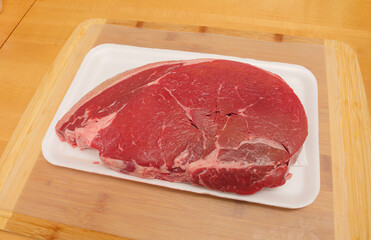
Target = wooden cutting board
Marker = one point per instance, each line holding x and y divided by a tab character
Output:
48	202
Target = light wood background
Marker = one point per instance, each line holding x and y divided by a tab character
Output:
38	30
33	32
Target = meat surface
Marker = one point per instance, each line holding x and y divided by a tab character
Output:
220	124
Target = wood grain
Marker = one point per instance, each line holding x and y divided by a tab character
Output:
89	201
11	13
12	236
37	40
349	113
347	22
31	48
169	213
42	229
15	166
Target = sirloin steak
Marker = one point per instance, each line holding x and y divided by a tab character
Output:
224	125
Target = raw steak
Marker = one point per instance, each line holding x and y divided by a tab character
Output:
224	125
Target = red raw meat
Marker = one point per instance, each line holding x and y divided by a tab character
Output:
224	125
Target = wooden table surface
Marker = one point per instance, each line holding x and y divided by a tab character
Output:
32	33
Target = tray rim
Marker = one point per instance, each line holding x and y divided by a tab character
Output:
341	127
52	147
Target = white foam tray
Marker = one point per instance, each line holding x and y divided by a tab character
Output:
107	60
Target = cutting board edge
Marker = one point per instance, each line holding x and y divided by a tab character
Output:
350	132
9	160
16	165
43	229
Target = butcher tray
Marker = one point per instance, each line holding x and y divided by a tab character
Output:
39	199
